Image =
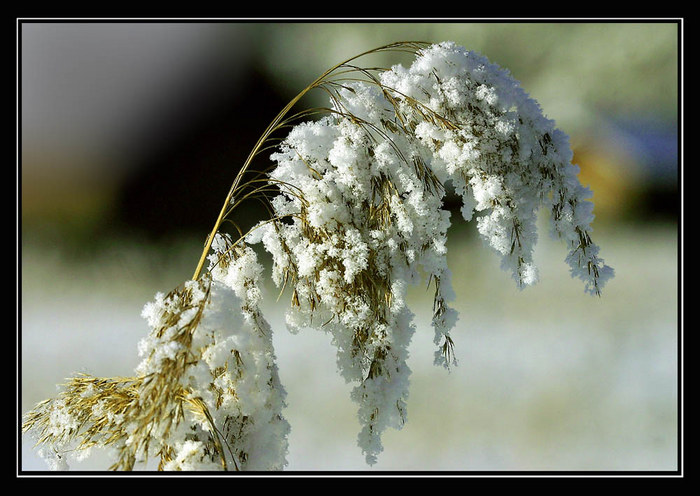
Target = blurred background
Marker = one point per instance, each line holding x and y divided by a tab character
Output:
131	133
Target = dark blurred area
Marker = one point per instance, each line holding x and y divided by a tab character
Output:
179	186
137	129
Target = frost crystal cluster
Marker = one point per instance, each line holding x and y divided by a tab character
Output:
207	394
356	200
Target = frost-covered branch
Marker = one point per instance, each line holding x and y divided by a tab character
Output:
355	217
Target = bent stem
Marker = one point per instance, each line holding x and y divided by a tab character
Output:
409	46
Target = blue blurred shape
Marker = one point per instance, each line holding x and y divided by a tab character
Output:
652	142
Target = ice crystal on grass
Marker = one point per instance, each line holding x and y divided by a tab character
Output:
368	218
355	197
206	395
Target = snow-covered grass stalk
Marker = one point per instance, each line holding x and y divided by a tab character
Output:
354	216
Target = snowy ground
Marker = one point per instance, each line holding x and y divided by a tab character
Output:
548	378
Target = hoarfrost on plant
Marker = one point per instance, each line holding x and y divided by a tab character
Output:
357	216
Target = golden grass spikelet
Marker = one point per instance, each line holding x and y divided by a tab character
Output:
130	413
97	406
